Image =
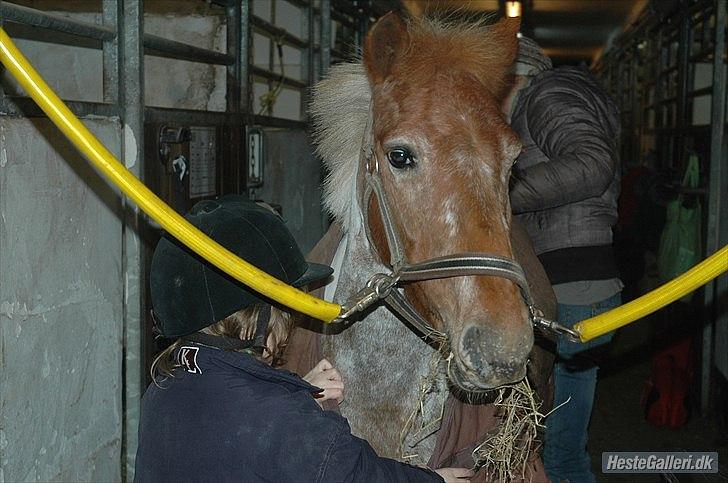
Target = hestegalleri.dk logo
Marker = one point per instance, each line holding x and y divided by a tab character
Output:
659	462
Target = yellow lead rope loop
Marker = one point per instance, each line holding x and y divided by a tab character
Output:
170	220
700	274
260	281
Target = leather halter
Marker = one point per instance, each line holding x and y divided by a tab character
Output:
384	287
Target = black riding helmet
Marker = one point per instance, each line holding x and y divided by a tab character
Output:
189	293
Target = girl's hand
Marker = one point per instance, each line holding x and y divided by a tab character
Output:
325	376
455	475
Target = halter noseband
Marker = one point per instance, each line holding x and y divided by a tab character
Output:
384	287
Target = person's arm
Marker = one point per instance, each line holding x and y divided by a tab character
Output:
571	125
352	459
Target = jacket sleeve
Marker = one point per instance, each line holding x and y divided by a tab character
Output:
352	459
574	126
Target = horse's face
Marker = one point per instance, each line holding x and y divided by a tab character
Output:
445	154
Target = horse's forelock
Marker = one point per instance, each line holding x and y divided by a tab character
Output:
478	46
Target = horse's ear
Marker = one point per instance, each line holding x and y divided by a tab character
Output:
505	35
385	43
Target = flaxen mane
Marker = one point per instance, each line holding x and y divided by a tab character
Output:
340	110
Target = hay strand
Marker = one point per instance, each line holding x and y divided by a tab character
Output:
506	454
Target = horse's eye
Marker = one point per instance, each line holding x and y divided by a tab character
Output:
401	158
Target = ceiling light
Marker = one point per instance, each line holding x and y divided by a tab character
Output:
513	9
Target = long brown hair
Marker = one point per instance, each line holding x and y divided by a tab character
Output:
239	325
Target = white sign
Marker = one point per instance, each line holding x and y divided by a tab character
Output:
202	162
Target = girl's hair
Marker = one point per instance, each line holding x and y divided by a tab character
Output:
239	325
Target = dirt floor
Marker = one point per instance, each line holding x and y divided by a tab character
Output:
618	422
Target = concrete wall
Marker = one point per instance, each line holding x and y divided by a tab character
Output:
61	308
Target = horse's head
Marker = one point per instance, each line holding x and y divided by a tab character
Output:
444	154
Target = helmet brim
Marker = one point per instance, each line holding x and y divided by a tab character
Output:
314	273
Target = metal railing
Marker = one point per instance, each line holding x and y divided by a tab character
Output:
660	56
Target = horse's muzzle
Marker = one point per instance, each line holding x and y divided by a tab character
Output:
483	360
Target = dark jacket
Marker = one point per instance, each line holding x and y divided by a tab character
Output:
238	419
566	181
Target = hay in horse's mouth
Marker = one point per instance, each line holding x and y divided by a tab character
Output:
458	378
506	455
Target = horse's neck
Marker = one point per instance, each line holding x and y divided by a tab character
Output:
383	362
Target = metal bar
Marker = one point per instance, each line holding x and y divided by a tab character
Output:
270	121
698	129
300	3
233	181
131	97
39	34
325	30
109	13
169	115
701	92
277	32
273	77
246	90
26	107
162	47
39	18
307	57
682	80
718	181
233	50
268	109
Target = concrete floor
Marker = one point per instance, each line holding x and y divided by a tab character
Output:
618	423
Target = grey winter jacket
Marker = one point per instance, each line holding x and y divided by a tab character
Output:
566	181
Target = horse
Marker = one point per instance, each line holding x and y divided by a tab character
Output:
419	156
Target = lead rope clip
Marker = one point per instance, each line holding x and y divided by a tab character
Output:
377	288
547	325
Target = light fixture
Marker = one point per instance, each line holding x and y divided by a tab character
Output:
513	9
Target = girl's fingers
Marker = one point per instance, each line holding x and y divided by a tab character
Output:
323	365
333	375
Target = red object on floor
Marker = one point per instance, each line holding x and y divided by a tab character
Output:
667	390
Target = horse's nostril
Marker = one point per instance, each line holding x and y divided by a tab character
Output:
485	351
473	351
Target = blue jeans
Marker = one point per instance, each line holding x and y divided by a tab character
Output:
575	376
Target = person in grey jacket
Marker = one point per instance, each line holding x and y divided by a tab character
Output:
564	190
